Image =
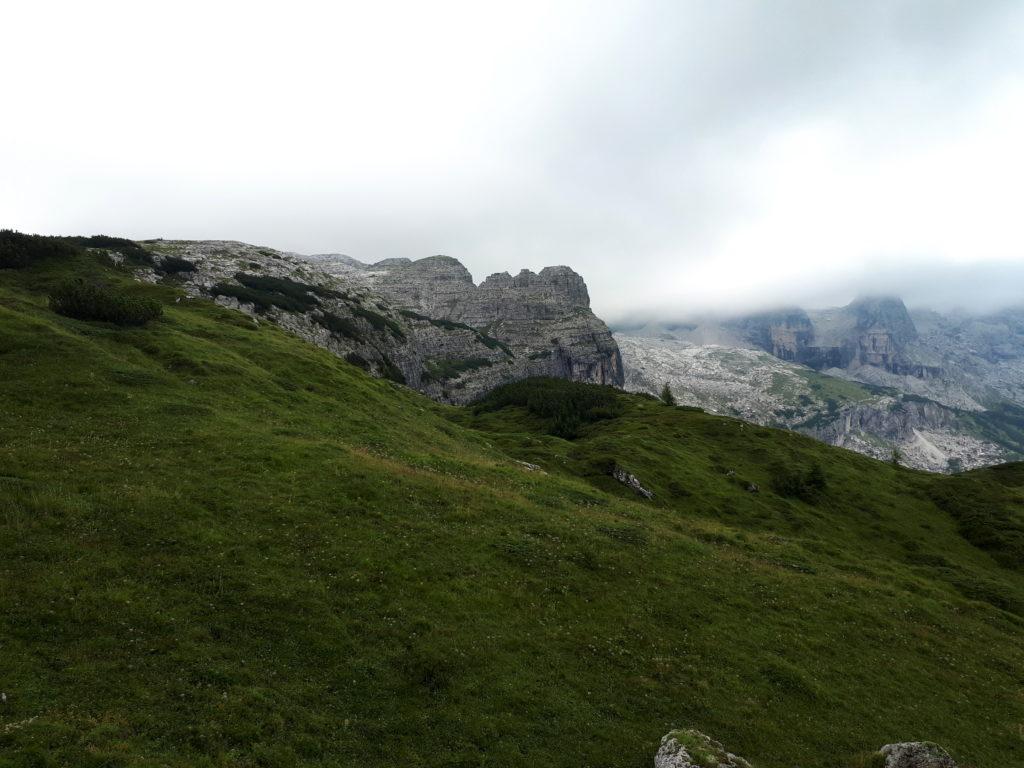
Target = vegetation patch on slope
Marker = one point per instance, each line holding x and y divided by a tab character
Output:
564	407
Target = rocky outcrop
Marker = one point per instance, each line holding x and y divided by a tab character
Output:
787	334
870	331
916	754
631	481
438	286
692	749
543	319
422	323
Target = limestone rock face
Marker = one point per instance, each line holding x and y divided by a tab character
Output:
757	386
437	286
916	754
692	749
875	332
422	323
543	319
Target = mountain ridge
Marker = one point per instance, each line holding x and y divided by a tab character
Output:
423	323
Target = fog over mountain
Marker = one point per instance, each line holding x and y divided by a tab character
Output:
682	156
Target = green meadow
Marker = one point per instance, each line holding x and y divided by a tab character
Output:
222	546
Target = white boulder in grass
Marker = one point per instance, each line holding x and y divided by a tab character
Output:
692	749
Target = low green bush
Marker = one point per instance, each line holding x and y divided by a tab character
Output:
391	371
451	325
19	250
358	360
131	250
266	292
984	515
173	265
443	370
342	326
566	406
413	315
86	300
803	484
380	323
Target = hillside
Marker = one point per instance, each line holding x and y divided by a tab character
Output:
225	546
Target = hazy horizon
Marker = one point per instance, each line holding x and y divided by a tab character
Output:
683	157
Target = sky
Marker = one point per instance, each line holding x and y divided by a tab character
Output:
683	156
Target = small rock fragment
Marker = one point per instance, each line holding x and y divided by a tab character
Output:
528	466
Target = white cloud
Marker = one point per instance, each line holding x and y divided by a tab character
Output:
681	155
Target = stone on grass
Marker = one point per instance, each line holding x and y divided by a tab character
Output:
916	754
692	749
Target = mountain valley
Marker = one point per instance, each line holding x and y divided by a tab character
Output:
944	392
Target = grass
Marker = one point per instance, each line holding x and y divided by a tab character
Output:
225	547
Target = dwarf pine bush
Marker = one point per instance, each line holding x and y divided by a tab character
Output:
87	300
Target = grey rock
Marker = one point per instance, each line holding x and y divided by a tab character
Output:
423	323
916	754
543	319
529	467
692	749
631	481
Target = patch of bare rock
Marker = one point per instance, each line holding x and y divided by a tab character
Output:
689	748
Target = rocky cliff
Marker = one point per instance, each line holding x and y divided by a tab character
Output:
545	318
758	386
423	323
876	332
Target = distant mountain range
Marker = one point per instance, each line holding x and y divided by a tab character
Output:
945	390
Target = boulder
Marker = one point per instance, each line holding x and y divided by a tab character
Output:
692	749
630	481
916	754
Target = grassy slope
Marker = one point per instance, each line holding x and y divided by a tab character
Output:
222	546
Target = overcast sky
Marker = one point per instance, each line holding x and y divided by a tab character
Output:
681	155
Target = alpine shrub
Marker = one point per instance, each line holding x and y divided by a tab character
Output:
172	265
86	300
358	360
131	250
342	326
565	406
18	250
798	483
379	322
